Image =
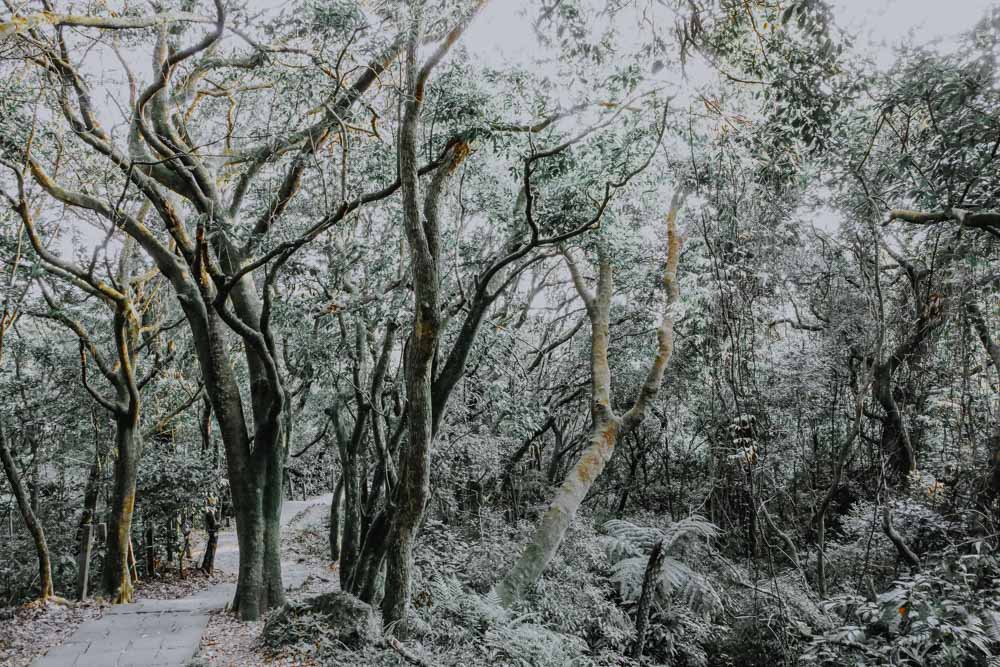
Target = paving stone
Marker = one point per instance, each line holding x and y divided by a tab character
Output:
60	656
104	658
175	656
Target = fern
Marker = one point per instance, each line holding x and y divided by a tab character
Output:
627	575
993	625
629	545
514	640
625	539
632	539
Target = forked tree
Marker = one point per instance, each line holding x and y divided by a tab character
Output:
608	426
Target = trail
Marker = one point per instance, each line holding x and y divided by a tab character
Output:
167	633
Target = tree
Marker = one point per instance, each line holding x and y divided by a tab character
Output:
45	588
607	427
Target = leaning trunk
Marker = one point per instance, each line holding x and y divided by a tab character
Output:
607	426
30	520
556	521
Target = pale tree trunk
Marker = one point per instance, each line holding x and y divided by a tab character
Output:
30	520
607	426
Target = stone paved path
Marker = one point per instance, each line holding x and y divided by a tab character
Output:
167	633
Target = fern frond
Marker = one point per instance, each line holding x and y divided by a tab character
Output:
993	625
693	526
628	574
692	588
641	537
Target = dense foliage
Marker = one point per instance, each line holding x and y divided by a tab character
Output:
692	308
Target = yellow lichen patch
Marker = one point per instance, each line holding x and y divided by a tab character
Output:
19	24
585	471
459	153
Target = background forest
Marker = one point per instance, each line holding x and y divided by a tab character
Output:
670	338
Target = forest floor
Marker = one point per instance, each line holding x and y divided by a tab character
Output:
173	618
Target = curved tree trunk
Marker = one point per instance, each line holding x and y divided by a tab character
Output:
30	520
246	470
423	237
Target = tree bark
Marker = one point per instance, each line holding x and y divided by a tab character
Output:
335	503
30	520
247	471
992	485
649	581
116	577
212	528
423	239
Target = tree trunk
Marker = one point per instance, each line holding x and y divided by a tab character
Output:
627	487
556	521
335	503
30	520
117	580
895	439
350	543
413	488
423	237
247	472
150	540
646	598
372	560
991	490
272	501
205	425
90	495
212	528
904	551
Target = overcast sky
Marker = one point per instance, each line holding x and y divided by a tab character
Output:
503	31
